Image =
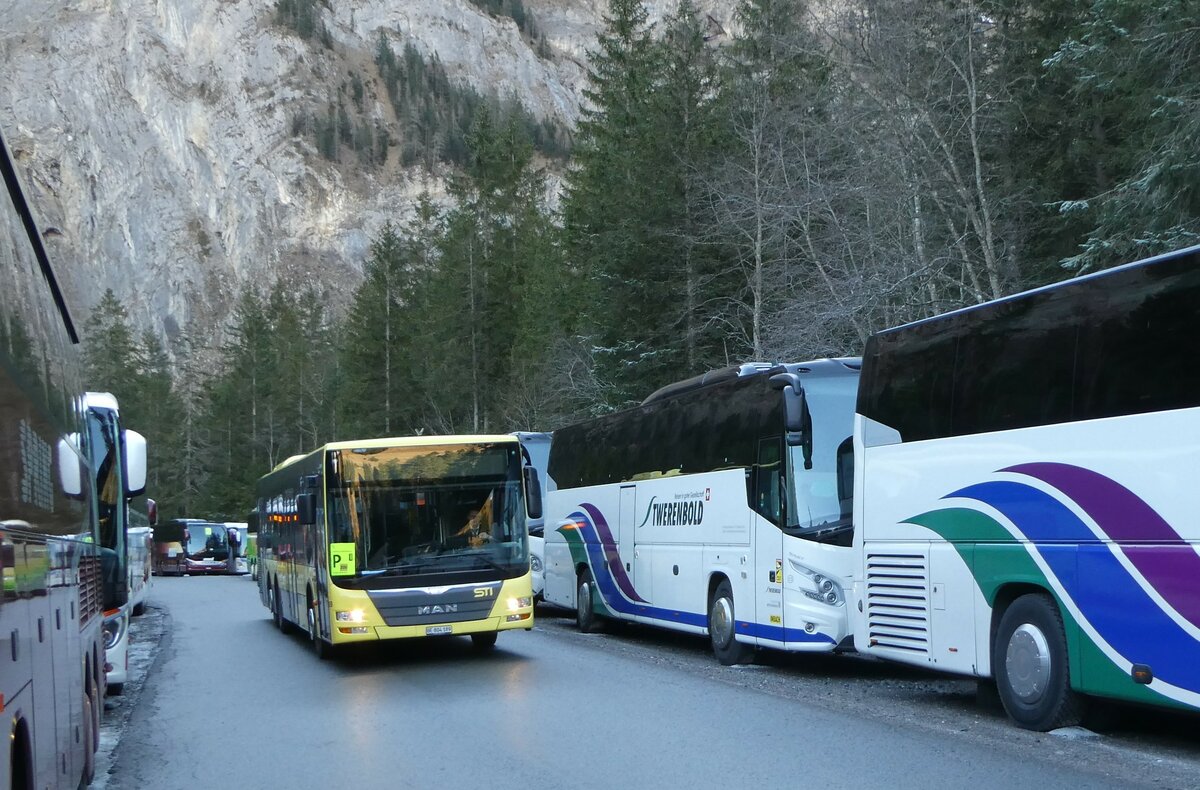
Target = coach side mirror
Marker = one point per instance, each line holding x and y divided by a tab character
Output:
797	420
306	508
135	463
152	511
70	472
533	493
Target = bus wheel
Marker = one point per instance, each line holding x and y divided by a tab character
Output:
139	610
722	629
280	622
322	648
585	613
1029	661
483	642
89	748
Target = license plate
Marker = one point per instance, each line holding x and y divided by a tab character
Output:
435	630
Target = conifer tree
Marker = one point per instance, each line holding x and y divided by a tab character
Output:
618	210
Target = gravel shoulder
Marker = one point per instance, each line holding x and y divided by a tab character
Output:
148	635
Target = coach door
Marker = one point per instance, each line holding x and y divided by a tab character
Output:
769	559
635	557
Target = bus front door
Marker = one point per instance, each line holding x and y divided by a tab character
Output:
635	556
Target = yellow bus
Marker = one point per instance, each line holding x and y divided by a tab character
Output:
396	538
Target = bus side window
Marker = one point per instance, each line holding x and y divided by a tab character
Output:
845	475
767	477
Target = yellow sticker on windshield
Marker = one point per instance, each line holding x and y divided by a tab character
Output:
341	559
208	530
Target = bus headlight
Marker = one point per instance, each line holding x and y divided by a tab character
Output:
352	616
818	586
114	629
519	603
535	563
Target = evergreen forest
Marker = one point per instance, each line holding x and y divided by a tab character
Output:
834	169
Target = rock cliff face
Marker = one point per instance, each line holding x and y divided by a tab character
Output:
156	138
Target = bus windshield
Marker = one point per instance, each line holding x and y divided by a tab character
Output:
822	496
207	541
429	509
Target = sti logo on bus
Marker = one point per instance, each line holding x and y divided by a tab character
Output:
485	592
687	510
446	608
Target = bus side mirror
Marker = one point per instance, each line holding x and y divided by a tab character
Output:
70	474
797	420
306	508
152	511
533	493
135	463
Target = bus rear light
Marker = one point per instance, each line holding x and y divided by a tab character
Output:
352	616
519	603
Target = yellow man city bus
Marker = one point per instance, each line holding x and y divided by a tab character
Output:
397	538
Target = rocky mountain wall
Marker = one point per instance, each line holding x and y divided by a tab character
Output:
157	141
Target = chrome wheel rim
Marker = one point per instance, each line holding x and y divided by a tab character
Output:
585	600
721	622
1027	663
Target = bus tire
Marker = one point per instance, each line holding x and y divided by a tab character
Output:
1030	664
484	641
280	622
585	613
323	649
722	628
89	748
139	610
115	689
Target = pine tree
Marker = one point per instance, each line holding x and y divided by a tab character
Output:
617	210
113	358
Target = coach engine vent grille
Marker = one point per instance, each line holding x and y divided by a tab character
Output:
898	602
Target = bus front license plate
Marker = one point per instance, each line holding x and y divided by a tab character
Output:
435	630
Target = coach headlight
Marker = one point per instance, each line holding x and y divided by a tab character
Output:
114	629
352	616
818	586
535	563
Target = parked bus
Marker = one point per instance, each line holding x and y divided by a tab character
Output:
720	506
169	557
141	549
239	535
206	547
1027	492
251	546
50	572
118	457
397	538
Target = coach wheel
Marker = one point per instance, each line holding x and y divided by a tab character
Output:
483	642
1029	660
89	736
139	610
722	629
585	613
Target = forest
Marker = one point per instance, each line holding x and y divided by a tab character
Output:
832	169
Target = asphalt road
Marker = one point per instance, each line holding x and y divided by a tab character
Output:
231	702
